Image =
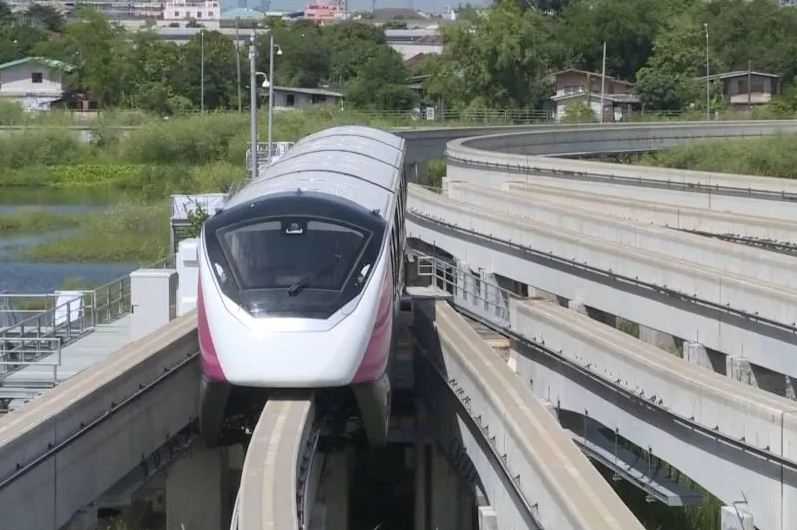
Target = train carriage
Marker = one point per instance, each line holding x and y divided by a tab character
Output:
300	277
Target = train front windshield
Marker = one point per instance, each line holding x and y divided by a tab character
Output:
294	254
294	265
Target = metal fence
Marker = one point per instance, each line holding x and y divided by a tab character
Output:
470	290
44	333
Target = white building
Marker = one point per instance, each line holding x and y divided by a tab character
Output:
181	12
290	97
35	82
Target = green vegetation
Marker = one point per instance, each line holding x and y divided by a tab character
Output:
773	156
122	69
27	220
127	232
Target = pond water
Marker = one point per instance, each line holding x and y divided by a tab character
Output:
17	275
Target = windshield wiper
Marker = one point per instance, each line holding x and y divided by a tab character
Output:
297	286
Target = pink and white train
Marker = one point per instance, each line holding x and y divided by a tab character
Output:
300	278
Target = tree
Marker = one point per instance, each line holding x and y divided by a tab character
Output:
18	40
628	28
669	80
6	15
45	17
220	74
381	83
97	49
305	59
350	45
501	56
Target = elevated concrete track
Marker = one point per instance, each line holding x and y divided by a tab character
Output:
530	470
532	156
70	445
724	256
723	311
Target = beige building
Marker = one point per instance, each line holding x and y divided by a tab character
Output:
575	85
762	86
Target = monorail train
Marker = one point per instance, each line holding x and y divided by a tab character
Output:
300	278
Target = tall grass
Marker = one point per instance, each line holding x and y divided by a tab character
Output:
127	232
31	220
774	156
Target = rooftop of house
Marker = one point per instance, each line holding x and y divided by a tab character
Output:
591	74
740	73
52	63
310	91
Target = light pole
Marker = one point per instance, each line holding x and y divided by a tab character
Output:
252	108
271	48
202	71
708	74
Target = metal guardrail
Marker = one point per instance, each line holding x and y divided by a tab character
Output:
46	332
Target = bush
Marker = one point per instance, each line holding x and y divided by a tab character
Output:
187	140
11	113
41	147
775	156
579	112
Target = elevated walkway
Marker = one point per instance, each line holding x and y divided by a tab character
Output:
29	381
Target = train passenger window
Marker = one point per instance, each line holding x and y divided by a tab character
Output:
293	254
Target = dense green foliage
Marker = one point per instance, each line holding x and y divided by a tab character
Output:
137	69
500	57
497	57
774	156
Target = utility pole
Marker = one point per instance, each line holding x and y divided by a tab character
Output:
750	85
708	74
603	81
253	107
238	64
202	71
270	88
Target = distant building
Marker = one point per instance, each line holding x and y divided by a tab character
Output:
574	86
735	87
292	97
35	82
325	11
412	42
181	12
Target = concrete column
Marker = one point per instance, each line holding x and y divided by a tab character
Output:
444	495
739	369
334	494
197	490
420	486
488	520
696	354
577	306
657	338
736	518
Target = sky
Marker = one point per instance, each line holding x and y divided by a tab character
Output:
355	5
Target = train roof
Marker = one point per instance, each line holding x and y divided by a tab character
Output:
347	161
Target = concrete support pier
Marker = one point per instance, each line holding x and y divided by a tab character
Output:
198	492
657	338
